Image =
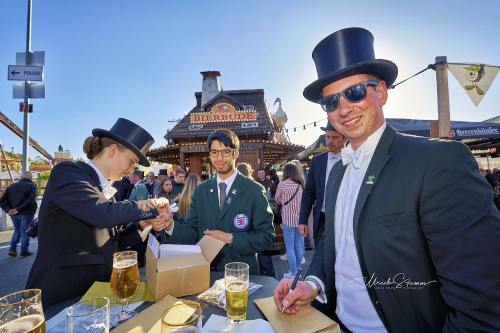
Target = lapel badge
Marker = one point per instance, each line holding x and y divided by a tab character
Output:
233	191
370	180
211	190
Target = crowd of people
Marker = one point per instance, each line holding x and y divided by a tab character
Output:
404	228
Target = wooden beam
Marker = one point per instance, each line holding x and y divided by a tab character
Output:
443	97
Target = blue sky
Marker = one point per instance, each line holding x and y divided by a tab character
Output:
141	59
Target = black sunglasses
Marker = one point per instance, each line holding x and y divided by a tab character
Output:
355	93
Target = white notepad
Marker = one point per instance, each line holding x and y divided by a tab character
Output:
172	250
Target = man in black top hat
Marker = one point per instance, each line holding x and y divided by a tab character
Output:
411	233
314	191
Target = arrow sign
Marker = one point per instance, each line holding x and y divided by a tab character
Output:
25	73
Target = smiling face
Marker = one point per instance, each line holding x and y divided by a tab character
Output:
357	121
262	175
225	160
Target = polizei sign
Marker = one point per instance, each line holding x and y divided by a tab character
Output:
25	73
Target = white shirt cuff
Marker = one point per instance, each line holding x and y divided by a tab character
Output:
315	282
171	231
144	233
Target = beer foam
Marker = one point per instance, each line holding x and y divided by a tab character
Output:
125	263
22	324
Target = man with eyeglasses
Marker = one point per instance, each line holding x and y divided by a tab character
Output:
411	236
229	207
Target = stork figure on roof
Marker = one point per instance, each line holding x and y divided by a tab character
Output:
279	116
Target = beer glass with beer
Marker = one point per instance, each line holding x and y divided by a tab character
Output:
236	280
88	316
22	312
124	281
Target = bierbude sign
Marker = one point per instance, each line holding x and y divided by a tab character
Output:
222	112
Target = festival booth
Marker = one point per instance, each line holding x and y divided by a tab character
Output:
483	138
262	138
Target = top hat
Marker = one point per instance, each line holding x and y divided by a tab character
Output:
162	172
131	136
329	127
345	53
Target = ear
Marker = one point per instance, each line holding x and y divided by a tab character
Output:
381	91
112	149
236	154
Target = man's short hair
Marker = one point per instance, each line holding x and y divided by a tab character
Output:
180	172
27	175
226	137
138	173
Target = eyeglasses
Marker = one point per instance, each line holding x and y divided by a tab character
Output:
223	153
355	93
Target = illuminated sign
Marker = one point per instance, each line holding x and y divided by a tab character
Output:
221	113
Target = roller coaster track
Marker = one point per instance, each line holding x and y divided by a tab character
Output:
19	132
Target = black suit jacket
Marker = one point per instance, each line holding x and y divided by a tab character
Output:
76	234
428	214
21	196
314	190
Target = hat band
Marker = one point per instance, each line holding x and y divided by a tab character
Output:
146	146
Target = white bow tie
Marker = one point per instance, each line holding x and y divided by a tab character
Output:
354	157
108	190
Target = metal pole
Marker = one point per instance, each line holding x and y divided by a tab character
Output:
26	124
443	97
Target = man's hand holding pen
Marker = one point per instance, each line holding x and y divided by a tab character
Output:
289	298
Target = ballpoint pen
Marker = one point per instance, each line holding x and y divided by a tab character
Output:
294	284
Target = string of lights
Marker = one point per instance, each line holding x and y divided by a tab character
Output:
314	123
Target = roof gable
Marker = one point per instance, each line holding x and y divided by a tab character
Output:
242	111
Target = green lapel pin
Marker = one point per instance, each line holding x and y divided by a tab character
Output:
370	180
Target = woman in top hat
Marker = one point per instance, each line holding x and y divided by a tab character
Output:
81	225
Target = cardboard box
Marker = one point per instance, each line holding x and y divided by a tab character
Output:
180	275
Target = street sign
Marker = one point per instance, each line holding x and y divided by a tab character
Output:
23	107
25	73
35	90
37	58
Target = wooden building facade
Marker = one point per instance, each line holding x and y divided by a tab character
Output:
262	138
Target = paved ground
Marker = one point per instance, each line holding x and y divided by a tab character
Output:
14	270
281	266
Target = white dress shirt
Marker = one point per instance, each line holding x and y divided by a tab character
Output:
106	185
229	182
332	159
354	307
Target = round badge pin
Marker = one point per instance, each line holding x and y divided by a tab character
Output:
240	221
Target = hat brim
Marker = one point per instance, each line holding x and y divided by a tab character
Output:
105	133
384	69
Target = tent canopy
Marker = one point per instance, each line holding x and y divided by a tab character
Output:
460	130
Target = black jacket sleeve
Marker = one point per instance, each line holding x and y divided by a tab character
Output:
72	192
30	199
308	196
462	228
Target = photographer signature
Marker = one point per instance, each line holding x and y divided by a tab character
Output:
397	281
